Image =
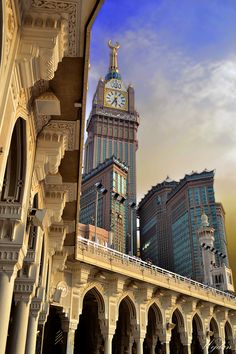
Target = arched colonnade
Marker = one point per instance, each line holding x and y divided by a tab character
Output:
147	328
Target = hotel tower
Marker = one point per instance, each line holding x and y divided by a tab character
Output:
112	131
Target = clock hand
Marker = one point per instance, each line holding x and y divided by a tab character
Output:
115	101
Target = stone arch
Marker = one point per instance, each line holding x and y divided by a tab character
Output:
228	338
214	326
177	319
177	312
126	324
214	336
97	291
197	333
15	171
152	342
88	336
157	310
129	298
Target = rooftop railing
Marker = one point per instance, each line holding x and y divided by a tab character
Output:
111	254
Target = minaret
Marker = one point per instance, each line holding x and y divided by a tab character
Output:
206	239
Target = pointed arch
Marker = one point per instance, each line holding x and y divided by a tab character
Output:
129	300
177	319
180	318
197	331
14	178
229	340
131	306
93	290
214	326
228	329
198	322
88	335
157	312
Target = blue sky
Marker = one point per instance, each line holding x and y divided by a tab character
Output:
180	56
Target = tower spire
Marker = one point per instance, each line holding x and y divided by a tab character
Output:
113	71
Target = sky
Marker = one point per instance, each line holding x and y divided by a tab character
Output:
180	56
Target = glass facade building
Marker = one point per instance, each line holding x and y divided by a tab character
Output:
182	209
111	213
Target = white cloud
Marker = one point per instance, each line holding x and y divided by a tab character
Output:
187	107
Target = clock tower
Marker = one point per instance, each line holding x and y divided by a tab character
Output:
112	131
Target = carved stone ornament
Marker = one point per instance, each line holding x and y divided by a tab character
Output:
43	45
71	9
10	29
63	287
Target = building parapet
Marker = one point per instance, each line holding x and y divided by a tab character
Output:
90	252
104	164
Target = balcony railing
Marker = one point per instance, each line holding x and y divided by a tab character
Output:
118	257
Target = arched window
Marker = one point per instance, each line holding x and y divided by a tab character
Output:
13	184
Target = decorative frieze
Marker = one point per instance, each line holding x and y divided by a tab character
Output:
44	313
56	236
10	211
47	104
11	257
24	288
58	262
43	45
68	9
55	202
50	150
37	302
68	128
9	31
30	256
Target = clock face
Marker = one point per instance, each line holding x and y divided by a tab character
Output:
115	99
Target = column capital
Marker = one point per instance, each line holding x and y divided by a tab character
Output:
44	313
37	302
24	289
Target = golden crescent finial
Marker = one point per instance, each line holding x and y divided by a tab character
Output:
113	46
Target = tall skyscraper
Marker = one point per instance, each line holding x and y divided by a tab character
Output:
112	130
170	215
111	206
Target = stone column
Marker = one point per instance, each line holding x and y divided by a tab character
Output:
70	341
139	343
20	324
108	344
187	349
31	334
166	348
204	342
69	327
6	292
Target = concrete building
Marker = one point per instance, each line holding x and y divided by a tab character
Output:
88	232
170	215
112	206
112	129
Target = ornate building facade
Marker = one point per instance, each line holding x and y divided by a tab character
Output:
112	130
60	293
43	73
